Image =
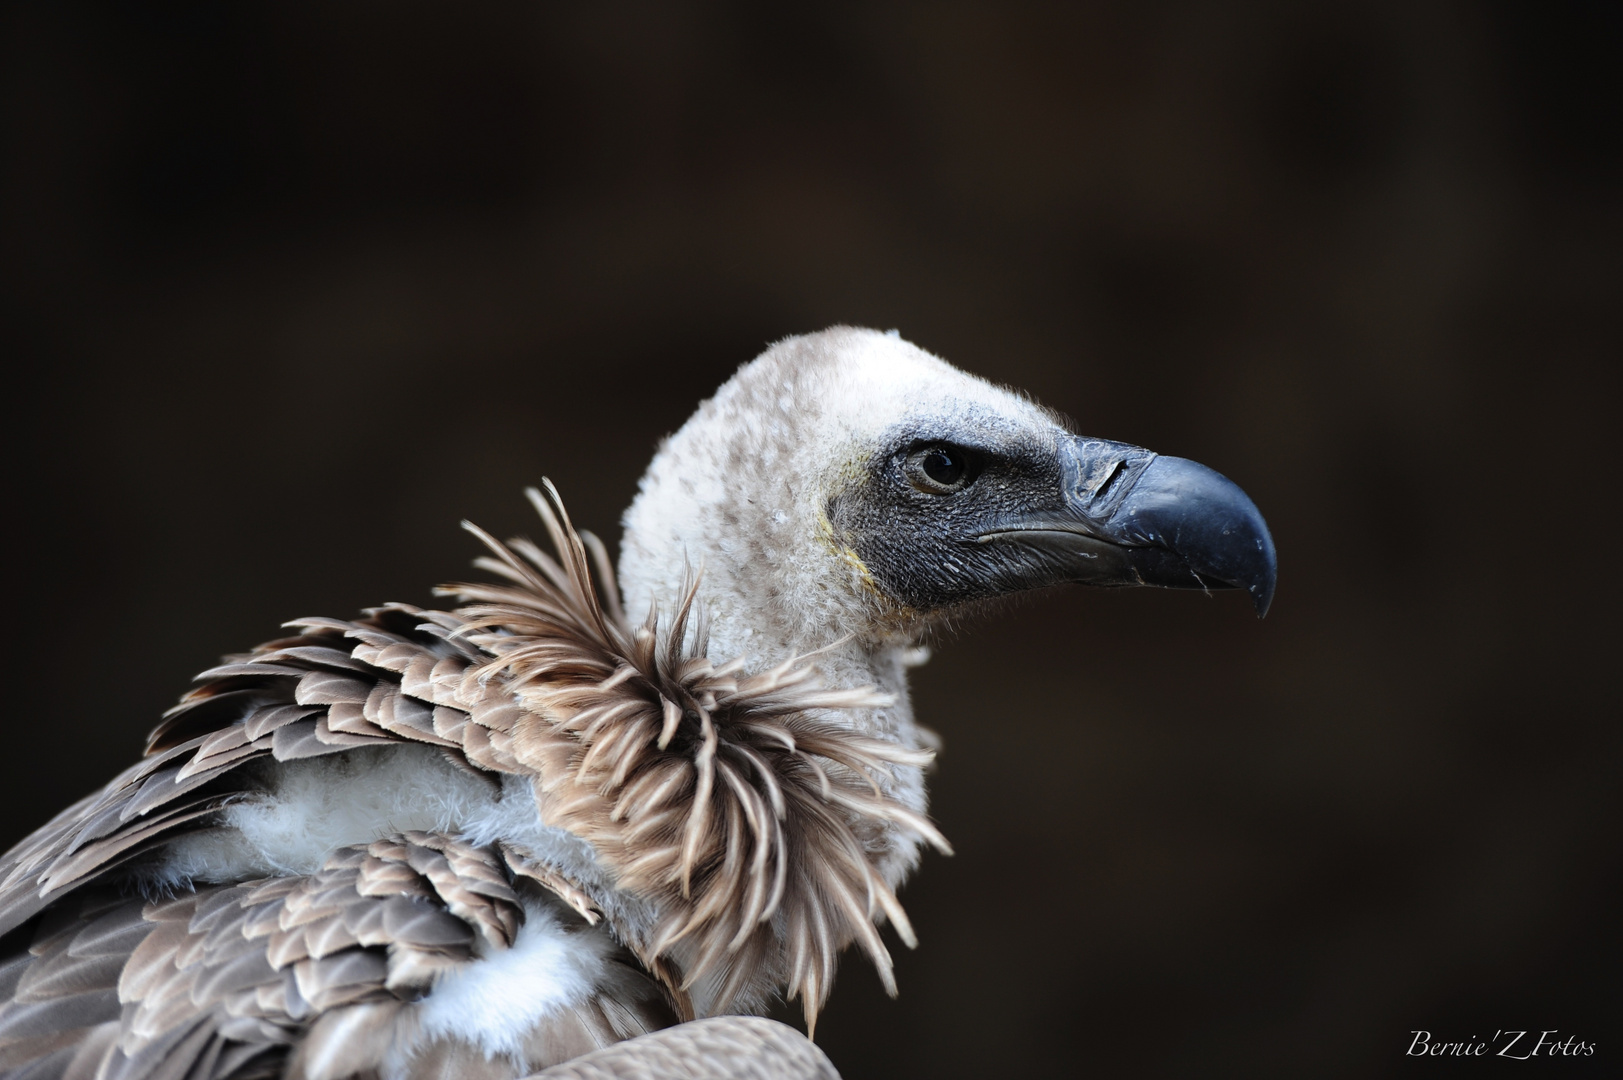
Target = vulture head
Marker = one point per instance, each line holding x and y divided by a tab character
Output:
846	489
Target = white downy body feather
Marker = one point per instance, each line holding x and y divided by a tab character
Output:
495	1002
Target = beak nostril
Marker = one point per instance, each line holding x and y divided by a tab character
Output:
1115	474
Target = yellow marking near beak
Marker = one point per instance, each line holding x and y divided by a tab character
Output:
843	551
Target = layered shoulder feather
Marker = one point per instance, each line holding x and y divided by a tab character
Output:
312	977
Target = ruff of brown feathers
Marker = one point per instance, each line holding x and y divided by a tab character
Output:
753	822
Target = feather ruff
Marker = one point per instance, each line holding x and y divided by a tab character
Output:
751	818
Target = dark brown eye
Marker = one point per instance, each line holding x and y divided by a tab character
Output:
939	469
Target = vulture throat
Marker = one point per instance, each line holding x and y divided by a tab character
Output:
573	810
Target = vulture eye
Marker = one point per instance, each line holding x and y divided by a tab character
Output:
940	469
941	466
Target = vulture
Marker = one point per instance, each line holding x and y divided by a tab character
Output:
582	823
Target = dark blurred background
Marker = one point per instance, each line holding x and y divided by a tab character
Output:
289	289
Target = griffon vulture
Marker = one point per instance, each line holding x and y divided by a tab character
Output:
481	842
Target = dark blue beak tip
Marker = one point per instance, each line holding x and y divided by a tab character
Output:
1211	524
1262	596
1262	586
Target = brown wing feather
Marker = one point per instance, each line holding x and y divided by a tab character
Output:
308	973
294	698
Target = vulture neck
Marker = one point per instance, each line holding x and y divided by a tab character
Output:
768	600
773	585
765	635
747	620
738	498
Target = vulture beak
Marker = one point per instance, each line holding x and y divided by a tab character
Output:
1132	517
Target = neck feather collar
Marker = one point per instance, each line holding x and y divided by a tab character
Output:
736	804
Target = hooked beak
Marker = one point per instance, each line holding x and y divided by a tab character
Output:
1132	517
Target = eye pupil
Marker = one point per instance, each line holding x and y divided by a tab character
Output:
943	466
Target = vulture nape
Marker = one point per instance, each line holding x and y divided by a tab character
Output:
580	827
